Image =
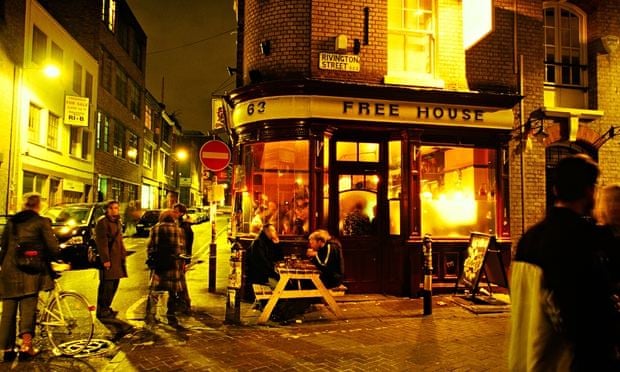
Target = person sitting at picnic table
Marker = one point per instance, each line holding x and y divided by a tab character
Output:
325	253
262	256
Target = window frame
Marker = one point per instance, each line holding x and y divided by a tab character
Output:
34	123
53	126
405	75
558	46
38	46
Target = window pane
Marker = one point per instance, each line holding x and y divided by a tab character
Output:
77	78
52	131
394	217
273	180
39	45
34	120
57	55
346	151
457	191
394	178
357	206
369	152
74	141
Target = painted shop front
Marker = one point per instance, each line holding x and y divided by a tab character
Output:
378	167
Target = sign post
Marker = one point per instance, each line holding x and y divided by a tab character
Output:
215	156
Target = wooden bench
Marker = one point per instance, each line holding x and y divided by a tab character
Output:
264	292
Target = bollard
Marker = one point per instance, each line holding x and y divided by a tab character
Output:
212	252
427	294
235	277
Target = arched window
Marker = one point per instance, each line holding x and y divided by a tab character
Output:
566	66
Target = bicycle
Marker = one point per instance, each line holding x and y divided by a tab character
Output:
66	318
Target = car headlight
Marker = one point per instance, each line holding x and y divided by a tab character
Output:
74	240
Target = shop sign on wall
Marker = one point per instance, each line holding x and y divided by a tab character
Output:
76	111
339	62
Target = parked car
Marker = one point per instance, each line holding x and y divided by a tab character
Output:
148	219
74	227
193	215
205	211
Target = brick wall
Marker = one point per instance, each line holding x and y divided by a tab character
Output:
286	25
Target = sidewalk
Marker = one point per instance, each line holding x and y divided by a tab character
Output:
379	333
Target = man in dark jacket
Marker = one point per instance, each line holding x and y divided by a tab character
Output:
262	256
19	289
558	278
109	239
326	254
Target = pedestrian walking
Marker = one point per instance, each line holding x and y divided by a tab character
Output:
180	212
165	249
109	239
19	285
561	314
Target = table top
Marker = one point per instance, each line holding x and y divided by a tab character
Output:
296	266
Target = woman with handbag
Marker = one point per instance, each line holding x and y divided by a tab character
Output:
22	276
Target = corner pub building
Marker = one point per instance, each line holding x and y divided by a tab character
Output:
382	121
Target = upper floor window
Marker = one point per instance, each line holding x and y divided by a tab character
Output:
147	157
132	148
119	139
121	86
77	78
57	55
147	117
39	45
34	120
411	41
108	13
134	97
52	131
565	55
103	132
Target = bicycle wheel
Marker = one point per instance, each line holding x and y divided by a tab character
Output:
68	321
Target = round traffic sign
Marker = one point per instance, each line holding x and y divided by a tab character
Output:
215	155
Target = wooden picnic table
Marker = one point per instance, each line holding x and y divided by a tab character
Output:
288	274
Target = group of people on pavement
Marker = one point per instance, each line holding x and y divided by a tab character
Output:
324	251
565	279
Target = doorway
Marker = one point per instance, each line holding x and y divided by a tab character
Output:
356	211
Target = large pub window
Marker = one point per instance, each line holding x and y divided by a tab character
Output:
271	186
457	191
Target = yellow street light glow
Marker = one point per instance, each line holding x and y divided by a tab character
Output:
132	153
51	71
182	154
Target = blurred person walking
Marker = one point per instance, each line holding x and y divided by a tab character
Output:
180	213
19	289
109	239
561	313
165	250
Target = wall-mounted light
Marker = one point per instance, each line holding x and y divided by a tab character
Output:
357	46
610	43
611	133
231	70
340	44
265	47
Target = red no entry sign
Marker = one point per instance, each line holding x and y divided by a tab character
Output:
215	155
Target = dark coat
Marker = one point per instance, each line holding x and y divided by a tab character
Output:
109	238
570	251
189	235
261	258
165	244
331	265
27	226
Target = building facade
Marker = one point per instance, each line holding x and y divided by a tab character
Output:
50	124
384	121
110	32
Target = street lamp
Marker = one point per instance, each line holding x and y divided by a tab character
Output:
51	71
182	154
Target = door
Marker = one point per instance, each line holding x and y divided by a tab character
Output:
356	212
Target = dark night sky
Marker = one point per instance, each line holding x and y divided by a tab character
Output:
189	44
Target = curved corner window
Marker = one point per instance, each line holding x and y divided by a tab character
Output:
271	186
457	191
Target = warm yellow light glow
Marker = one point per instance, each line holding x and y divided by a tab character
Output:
299	181
375	179
182	154
51	71
477	21
132	153
224	186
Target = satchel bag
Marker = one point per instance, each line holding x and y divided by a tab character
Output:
93	257
30	257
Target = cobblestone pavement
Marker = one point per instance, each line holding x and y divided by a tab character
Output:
379	334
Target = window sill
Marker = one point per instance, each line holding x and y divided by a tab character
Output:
413	80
